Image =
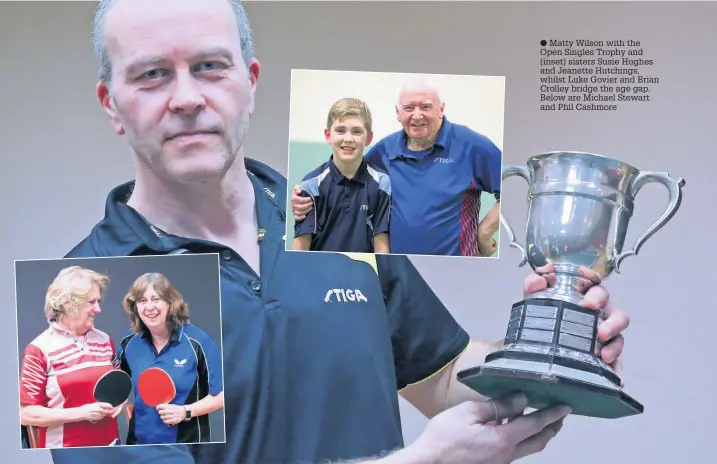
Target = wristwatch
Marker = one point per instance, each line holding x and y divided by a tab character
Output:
187	414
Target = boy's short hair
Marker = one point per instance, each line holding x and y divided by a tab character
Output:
347	107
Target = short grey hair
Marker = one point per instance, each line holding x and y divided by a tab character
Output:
103	60
421	83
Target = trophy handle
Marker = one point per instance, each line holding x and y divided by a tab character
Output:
674	188
521	171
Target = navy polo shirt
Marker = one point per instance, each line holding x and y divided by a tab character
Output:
436	192
347	213
315	348
192	359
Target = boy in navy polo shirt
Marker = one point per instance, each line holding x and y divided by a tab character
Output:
351	197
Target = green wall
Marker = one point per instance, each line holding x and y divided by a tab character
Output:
306	156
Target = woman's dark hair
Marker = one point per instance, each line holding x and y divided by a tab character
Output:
178	310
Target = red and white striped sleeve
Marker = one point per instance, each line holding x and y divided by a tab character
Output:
33	377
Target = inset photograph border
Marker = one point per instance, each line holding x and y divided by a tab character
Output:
399	163
120	351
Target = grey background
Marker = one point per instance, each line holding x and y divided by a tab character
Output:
60	158
196	277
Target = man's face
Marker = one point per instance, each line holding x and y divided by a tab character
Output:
180	90
420	112
348	138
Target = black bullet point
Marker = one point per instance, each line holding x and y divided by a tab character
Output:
543	43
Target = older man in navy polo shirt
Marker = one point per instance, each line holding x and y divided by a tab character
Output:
315	345
438	171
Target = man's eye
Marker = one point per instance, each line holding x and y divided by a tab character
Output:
154	74
208	66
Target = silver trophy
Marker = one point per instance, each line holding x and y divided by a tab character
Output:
580	205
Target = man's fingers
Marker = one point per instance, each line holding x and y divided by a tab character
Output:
500	408
617	368
297	198
530	424
515	416
537	442
534	283
616	322
597	298
610	352
507	419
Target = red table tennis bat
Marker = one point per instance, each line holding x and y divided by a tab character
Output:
113	387
155	387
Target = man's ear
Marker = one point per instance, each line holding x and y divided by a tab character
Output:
107	102
254	68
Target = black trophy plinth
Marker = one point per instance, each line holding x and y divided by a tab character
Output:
549	355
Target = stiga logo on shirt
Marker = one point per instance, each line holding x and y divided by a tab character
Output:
343	295
269	192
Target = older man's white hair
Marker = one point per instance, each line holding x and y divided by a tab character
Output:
419	84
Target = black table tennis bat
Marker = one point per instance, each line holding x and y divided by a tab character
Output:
113	387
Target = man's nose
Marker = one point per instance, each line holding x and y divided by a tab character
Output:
187	97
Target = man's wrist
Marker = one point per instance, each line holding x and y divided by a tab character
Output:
411	454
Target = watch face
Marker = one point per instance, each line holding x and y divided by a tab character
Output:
188	415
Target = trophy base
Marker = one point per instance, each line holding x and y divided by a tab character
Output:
549	356
544	386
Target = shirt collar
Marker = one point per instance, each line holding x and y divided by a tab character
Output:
360	176
443	139
66	333
125	232
175	336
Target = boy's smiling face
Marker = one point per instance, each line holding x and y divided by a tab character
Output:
348	137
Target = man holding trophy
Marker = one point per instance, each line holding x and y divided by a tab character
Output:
401	337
